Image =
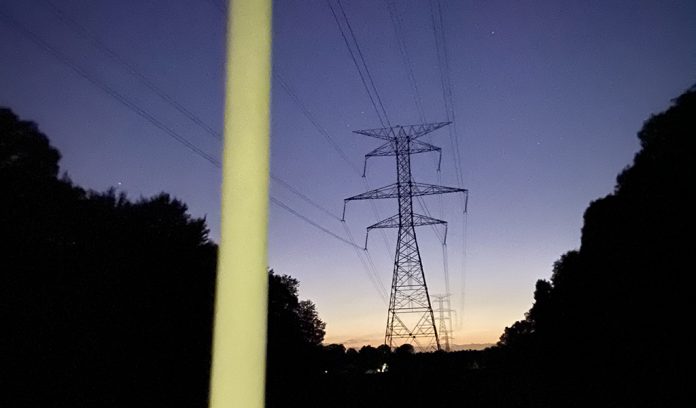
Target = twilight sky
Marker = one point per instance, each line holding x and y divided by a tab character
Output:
548	98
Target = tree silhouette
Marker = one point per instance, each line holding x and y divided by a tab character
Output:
295	333
405	350
292	323
111	300
108	302
25	151
610	315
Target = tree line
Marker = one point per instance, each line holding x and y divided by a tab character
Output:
109	301
608	327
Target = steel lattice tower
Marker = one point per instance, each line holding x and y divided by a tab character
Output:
445	326
410	316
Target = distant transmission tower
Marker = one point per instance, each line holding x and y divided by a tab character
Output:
410	316
444	319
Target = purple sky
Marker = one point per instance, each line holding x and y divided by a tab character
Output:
548	98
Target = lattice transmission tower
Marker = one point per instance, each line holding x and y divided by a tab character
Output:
444	319
410	316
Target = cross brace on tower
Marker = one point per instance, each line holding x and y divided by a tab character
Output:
410	316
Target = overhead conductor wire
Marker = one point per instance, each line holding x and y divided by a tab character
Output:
438	29
367	263
62	58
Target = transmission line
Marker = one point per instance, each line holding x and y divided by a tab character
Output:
308	114
33	37
368	263
437	22
86	33
29	34
309	221
398	30
119	60
293	95
305	198
370	89
438	28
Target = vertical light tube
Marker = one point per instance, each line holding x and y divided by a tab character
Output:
239	344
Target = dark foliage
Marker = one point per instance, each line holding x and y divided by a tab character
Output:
378	377
108	302
295	333
609	322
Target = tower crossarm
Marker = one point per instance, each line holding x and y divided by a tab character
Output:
417	189
415	146
392	191
422	189
418	220
410	131
393	222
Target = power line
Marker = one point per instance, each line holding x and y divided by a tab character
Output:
381	115
437	22
323	131
398	30
362	59
462	291
406	59
33	37
309	221
367	263
132	106
83	31
308	114
438	28
312	119
115	57
173	134
305	198
421	202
